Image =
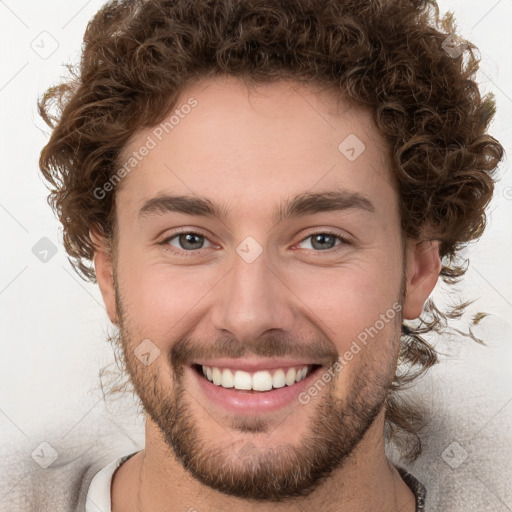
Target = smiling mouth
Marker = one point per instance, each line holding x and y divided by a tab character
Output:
255	382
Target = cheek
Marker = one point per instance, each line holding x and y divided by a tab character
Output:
156	296
349	299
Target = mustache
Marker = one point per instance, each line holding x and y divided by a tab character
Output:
188	349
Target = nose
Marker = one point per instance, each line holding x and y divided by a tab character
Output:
251	300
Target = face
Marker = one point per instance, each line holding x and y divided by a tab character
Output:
286	285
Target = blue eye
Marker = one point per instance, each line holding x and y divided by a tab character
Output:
324	241
186	243
187	240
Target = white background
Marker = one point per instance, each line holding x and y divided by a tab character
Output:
53	324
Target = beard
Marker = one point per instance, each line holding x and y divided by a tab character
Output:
277	471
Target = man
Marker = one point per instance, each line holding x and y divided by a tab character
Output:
266	191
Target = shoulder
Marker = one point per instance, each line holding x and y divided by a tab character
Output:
63	485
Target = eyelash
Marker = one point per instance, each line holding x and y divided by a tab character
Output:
165	242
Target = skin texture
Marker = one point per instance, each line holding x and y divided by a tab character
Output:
249	151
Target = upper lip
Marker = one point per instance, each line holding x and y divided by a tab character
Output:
254	365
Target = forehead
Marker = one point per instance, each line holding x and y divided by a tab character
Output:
252	146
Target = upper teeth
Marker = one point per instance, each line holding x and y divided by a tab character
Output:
257	381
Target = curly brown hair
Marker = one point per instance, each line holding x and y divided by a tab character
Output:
388	55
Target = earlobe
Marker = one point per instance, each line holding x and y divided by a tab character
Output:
423	268
104	273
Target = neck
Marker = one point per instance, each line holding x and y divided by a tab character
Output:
154	480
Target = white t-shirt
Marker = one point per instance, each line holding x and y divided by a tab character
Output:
98	495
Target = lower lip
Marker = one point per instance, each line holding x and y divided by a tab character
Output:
242	402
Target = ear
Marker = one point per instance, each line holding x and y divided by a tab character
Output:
104	272
423	268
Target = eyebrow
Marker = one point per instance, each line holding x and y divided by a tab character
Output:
307	203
